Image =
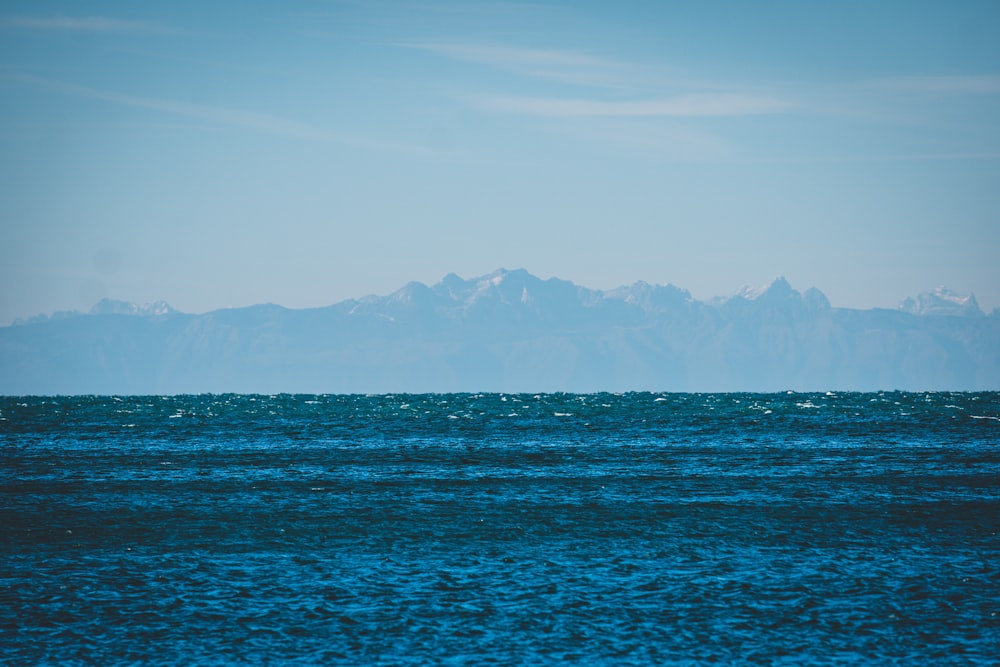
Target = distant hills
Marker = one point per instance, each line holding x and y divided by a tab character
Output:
511	331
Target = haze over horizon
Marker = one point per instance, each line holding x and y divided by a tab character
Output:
310	152
960	303
511	331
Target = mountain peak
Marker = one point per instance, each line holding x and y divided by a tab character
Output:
507	285
504	275
777	287
510	331
116	307
777	293
410	292
652	297
942	301
776	290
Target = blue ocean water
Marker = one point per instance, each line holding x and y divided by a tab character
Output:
614	529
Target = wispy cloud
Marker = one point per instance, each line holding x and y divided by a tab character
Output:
557	65
220	115
897	157
951	85
79	24
679	105
640	90
656	138
511	57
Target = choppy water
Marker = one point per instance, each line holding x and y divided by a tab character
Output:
633	529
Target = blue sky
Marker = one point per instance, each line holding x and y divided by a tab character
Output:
229	153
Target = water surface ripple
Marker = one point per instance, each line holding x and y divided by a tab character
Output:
618	529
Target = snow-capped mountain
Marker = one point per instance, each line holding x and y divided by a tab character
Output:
942	301
775	290
511	331
106	307
113	307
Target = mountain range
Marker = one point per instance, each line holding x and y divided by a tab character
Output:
511	331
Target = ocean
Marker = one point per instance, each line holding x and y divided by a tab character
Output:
501	529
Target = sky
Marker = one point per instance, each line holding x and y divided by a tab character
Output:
230	153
